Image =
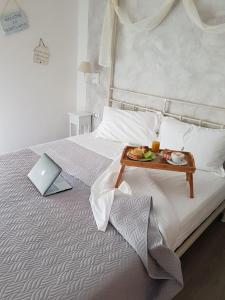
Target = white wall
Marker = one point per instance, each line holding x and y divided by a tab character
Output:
35	99
176	59
82	55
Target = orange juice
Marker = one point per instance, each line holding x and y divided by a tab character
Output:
155	146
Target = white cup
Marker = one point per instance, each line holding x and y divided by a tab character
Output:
177	157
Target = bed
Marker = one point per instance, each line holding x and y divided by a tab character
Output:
50	247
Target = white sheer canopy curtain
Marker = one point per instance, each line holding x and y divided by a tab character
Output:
148	23
193	14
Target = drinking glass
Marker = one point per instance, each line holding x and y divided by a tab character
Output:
155	146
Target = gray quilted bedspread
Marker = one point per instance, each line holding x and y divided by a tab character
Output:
50	247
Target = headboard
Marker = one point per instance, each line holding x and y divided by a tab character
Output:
188	111
162	105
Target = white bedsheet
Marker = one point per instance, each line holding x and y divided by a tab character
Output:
101	146
178	215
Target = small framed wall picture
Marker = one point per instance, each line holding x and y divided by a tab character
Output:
41	53
13	20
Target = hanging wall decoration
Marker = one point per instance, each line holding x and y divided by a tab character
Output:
14	20
41	53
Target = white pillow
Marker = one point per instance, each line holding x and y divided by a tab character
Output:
208	148
172	132
132	127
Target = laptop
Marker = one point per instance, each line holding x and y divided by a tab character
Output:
45	175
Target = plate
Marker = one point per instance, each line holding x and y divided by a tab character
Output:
141	159
184	163
146	159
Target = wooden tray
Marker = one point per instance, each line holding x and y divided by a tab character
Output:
159	163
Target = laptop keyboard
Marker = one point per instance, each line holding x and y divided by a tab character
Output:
59	185
53	189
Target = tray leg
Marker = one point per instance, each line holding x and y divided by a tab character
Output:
187	179
119	176
190	179
223	217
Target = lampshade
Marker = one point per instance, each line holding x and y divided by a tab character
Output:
85	67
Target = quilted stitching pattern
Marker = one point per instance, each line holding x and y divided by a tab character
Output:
49	247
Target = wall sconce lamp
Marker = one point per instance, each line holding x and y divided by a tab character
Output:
86	68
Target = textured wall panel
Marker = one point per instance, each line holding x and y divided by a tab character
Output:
176	60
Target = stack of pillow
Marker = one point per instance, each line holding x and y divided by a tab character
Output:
141	128
207	145
126	126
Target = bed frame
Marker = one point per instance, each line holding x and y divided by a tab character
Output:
164	109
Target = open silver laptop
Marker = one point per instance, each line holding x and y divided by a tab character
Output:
45	175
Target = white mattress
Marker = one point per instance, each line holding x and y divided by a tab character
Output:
188	213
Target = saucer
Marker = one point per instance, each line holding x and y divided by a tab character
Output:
183	163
